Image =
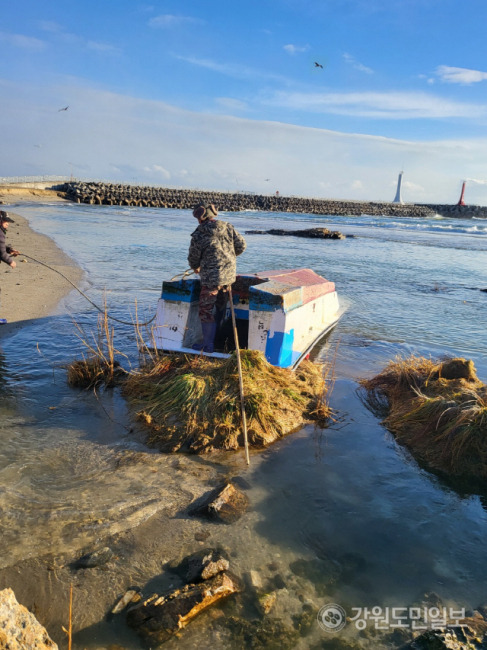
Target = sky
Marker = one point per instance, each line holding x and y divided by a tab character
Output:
319	98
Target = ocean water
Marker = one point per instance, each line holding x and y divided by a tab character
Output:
345	513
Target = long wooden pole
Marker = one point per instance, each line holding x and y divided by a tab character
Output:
240	378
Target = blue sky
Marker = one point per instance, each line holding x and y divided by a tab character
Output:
227	96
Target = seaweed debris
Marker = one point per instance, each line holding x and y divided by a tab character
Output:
191	402
438	409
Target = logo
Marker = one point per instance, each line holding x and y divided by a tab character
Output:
332	618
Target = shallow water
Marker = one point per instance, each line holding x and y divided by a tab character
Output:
366	525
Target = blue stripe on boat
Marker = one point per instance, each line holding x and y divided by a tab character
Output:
181	290
279	349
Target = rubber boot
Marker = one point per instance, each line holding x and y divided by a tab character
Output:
209	331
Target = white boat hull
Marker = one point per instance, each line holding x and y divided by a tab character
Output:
287	313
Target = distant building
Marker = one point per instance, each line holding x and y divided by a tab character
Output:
462	195
398	198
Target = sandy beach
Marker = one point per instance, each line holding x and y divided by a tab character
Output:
32	290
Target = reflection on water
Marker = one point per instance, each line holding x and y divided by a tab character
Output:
342	514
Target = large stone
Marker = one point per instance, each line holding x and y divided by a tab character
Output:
160	617
226	504
19	629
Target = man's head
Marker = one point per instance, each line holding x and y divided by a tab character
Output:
5	219
205	212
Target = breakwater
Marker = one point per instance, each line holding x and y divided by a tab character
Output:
160	197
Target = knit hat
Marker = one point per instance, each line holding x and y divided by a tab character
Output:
204	212
5	218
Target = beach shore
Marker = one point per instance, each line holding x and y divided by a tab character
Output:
32	291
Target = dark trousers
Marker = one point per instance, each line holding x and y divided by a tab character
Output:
211	299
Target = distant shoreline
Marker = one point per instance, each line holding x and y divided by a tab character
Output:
159	197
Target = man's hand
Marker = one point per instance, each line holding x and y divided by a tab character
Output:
13	264
13	252
196	270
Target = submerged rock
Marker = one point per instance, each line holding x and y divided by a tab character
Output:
93	559
160	617
311	233
130	596
19	629
225	504
202	565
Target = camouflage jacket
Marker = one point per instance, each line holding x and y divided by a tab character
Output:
214	249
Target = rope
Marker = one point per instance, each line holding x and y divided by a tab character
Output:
183	275
124	322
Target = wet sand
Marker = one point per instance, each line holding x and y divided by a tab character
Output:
32	290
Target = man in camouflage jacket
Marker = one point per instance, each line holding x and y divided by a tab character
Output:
213	254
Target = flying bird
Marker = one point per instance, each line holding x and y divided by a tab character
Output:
267	179
318	65
63	109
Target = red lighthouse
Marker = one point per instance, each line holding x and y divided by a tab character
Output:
461	201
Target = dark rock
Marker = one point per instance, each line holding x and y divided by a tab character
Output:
457	638
240	482
458	369
201	565
225	504
311	233
96	558
160	617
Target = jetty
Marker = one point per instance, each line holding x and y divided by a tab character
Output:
96	193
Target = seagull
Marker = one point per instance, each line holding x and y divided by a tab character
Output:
63	109
318	65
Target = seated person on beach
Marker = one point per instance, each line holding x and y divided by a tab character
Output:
7	253
213	254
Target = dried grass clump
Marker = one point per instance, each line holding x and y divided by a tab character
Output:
438	410
192	402
99	367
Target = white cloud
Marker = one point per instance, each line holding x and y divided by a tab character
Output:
50	26
231	103
104	48
192	149
161	171
22	42
393	105
462	76
295	49
234	70
171	20
356	64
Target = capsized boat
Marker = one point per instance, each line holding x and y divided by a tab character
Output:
281	313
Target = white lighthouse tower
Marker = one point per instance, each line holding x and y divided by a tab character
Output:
398	198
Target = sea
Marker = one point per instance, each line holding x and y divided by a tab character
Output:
345	516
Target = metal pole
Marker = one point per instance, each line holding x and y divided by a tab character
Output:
240	378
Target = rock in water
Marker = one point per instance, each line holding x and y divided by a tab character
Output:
202	565
226	504
96	558
19	629
160	617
